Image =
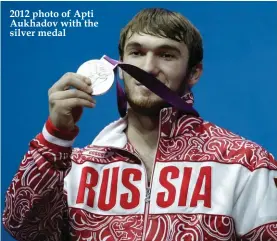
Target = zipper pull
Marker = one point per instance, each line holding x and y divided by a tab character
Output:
148	194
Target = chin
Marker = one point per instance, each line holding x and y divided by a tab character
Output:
146	105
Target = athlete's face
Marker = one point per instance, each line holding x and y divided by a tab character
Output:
164	58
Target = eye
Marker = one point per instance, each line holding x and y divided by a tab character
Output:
135	53
167	56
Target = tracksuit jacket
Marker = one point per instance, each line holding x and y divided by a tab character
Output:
207	184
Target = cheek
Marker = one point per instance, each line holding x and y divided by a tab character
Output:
175	76
132	60
128	80
120	73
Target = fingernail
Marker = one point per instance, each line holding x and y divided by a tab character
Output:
89	81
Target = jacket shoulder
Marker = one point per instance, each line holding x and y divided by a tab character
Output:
235	148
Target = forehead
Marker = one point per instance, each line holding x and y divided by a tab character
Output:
153	42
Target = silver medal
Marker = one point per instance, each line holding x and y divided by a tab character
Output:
100	73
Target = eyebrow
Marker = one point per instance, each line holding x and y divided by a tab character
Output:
163	46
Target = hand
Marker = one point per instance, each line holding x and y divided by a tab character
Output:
66	104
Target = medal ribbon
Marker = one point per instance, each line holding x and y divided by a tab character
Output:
152	84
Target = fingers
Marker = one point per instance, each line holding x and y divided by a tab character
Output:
68	94
76	102
70	91
72	80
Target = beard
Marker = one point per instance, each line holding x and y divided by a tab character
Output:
145	102
146	105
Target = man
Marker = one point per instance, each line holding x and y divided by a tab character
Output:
157	173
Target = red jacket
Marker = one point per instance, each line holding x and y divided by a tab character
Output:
207	184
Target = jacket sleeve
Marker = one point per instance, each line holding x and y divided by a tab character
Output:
255	211
35	204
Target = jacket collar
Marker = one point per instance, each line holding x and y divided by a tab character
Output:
175	123
172	123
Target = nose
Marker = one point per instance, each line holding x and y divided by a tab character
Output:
150	65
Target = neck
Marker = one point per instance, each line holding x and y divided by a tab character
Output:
142	129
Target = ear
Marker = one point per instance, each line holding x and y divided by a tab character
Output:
195	75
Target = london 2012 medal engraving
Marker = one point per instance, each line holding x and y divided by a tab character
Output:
100	73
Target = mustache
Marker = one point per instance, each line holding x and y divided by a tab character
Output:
159	88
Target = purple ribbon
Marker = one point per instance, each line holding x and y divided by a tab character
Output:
152	84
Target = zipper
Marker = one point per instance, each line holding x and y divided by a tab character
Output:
149	187
148	194
146	211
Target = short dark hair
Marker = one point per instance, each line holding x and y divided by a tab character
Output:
165	23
